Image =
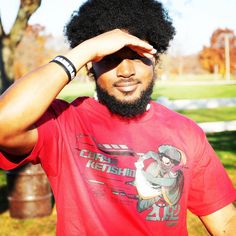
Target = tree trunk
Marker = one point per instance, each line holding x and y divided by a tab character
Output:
6	65
9	42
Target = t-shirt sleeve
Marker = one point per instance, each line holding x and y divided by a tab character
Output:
48	143
211	189
8	163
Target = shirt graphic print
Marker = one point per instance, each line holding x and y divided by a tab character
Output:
154	180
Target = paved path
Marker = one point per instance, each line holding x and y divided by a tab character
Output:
192	104
194	82
219	126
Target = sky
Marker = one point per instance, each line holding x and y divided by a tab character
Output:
195	20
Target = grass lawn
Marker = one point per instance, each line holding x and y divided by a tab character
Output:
198	77
225	146
44	226
211	115
2	178
76	89
179	91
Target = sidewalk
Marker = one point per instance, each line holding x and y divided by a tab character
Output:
219	126
191	104
194	82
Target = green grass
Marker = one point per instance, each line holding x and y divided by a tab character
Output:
211	115
2	178
28	227
77	89
224	144
3	192
179	91
198	77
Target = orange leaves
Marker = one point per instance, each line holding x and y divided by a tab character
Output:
213	58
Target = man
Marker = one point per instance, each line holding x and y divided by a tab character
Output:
97	152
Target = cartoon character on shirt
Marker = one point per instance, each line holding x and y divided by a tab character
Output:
159	180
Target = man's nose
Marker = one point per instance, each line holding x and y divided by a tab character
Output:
125	69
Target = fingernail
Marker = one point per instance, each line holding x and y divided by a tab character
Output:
154	50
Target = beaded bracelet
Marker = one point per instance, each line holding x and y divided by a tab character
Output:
67	65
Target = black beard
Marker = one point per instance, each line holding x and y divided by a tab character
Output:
126	109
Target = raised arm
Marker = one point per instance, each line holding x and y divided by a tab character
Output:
29	97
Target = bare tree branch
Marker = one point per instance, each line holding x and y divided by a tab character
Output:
26	9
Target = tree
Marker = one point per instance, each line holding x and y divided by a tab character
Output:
9	42
214	56
32	51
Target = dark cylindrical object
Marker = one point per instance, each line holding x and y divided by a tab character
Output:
29	193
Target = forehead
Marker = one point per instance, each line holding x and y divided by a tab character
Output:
123	53
126	53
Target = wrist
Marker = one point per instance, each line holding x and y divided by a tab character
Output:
81	55
67	66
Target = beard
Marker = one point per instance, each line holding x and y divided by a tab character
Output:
126	109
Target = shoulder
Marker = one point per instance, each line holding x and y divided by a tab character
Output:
79	101
174	119
58	106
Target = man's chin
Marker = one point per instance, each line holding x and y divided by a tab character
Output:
128	109
128	99
128	106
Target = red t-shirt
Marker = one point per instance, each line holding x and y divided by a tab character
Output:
114	176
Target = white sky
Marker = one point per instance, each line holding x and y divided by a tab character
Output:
195	20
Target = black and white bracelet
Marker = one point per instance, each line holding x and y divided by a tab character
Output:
67	65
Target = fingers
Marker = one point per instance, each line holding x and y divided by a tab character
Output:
142	47
112	41
131	41
144	52
138	43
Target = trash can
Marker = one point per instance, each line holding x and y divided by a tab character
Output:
29	192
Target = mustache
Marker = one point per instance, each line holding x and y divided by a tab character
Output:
127	80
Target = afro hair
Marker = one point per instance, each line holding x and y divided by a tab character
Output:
146	19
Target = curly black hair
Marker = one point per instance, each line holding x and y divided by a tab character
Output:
146	19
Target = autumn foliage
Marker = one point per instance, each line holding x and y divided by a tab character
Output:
213	58
31	52
36	49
